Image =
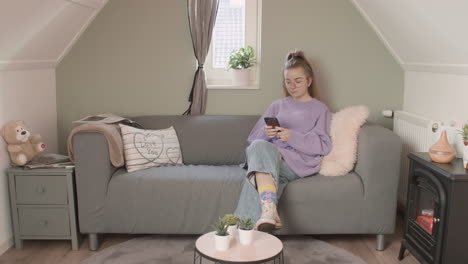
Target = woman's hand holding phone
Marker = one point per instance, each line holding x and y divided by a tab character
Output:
279	132
271	131
283	134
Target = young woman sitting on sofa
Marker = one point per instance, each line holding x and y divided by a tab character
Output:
290	151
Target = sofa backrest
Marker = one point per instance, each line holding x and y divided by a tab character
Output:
207	140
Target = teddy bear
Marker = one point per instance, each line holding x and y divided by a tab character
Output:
21	145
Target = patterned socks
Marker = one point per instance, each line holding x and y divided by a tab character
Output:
267	193
269	219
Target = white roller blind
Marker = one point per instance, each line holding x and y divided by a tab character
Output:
229	31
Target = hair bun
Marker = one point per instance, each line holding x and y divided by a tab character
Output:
297	54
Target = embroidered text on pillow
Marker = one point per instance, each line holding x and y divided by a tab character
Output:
150	148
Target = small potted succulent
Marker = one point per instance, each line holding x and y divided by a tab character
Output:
246	231
464	134
221	235
241	61
231	220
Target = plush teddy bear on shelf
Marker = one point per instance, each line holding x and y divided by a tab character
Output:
21	145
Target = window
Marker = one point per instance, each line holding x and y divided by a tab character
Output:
237	25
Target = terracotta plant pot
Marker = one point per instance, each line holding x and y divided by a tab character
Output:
442	151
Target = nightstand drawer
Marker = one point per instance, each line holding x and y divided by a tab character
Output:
41	190
44	221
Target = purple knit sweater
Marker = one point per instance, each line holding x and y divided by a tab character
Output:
309	141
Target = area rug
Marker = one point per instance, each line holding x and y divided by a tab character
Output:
179	249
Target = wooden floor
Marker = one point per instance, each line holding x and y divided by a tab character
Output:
50	252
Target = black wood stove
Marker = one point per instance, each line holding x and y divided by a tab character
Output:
436	219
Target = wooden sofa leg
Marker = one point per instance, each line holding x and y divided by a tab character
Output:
380	242
93	242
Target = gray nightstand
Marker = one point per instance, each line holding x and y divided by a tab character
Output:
43	204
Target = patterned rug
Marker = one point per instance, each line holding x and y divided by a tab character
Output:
179	249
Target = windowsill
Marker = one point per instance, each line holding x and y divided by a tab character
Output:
233	87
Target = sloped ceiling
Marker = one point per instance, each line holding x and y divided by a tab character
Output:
423	35
38	34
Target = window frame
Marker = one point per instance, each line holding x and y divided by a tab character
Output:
220	78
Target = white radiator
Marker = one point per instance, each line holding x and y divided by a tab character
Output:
416	133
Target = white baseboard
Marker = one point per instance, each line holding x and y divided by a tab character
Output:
5	245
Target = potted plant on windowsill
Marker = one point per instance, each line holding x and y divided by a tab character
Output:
221	235
241	62
246	231
231	221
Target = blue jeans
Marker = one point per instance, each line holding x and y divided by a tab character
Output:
262	156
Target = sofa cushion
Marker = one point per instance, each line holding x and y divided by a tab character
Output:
170	199
150	148
207	140
344	131
321	204
320	187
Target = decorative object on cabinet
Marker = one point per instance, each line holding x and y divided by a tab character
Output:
442	151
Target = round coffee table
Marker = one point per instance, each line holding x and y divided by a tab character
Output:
264	248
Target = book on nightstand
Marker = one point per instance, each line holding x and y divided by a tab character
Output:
49	160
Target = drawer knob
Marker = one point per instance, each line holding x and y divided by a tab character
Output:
43	223
40	189
436	220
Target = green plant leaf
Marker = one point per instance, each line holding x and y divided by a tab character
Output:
230	219
220	227
246	224
242	58
464	132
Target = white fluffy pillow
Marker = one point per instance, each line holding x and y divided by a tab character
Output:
344	131
150	148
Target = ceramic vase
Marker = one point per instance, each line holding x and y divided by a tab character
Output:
222	242
442	151
246	237
232	230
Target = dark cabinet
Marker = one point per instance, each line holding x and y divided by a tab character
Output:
435	228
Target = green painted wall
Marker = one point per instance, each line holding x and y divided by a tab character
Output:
137	58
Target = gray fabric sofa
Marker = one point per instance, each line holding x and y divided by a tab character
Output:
188	199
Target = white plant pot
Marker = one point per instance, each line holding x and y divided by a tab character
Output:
222	242
246	237
240	77
232	230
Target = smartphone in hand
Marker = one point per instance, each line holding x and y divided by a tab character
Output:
272	121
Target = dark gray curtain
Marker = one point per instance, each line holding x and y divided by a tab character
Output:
202	18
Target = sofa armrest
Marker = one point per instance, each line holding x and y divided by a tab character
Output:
378	164
93	171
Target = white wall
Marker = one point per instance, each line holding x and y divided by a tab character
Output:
38	34
28	95
422	35
437	96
